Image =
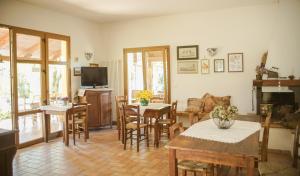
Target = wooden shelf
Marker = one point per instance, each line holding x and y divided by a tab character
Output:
289	83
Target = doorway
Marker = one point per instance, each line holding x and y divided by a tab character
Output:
147	68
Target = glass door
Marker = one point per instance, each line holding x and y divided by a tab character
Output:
30	73
134	74
156	74
58	80
5	79
147	68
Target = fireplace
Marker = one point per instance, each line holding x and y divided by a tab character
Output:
281	95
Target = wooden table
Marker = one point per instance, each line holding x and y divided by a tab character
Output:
62	110
155	110
241	154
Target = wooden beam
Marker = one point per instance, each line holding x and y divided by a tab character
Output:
54	55
28	51
4	40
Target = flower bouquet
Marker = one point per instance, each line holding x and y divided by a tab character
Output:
144	97
224	117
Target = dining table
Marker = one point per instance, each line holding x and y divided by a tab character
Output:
156	111
237	146
60	110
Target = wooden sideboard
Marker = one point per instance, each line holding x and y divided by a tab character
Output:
100	110
8	150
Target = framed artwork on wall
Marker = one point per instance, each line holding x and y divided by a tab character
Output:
77	71
219	65
205	66
235	62
187	67
187	52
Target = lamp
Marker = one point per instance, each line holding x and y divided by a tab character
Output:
212	51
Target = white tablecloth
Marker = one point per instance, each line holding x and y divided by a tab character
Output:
209	131
56	107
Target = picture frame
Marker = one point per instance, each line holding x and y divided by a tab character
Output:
235	62
190	52
77	71
205	66
219	65
187	67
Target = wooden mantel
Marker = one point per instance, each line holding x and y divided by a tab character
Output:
282	82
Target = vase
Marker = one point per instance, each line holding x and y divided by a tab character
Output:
144	102
223	124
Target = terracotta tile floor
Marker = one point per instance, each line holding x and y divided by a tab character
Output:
102	155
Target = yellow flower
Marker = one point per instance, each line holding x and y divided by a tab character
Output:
144	94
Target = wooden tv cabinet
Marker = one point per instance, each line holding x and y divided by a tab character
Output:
100	110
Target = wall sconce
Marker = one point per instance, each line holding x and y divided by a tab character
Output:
88	55
212	51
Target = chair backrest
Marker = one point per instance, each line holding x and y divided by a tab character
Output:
296	145
265	140
79	110
174	111
157	100
175	130
120	101
129	112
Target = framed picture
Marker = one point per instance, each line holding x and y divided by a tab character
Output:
205	66
187	52
235	62
187	67
77	71
219	65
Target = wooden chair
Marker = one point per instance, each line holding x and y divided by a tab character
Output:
157	100
120	101
187	165
78	120
164	124
131	121
267	168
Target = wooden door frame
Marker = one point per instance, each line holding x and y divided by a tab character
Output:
166	49
44	74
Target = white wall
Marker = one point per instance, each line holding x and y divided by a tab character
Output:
85	35
251	30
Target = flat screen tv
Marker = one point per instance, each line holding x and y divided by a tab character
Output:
94	76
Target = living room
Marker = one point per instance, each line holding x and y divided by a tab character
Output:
101	32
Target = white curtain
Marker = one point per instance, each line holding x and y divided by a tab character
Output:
115	79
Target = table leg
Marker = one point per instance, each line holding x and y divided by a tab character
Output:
156	138
250	168
66	129
173	171
46	126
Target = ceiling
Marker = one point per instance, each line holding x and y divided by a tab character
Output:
119	10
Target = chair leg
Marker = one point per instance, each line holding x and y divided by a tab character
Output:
131	136
147	135
183	172
125	138
73	131
195	173
138	139
150	125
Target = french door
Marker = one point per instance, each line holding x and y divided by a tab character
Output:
147	68
35	68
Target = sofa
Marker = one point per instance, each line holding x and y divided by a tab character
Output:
199	108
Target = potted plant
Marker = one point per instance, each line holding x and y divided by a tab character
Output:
224	117
144	97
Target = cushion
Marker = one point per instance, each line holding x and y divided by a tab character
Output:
195	105
223	101
209	104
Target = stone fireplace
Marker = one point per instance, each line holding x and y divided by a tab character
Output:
281	95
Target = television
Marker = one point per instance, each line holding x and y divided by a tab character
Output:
94	76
